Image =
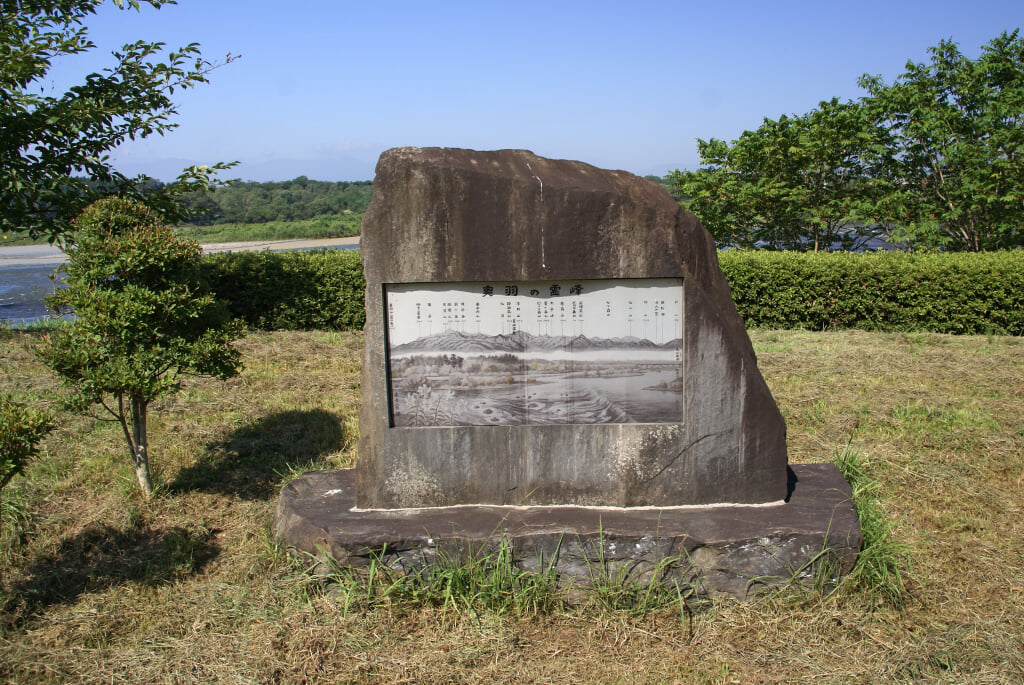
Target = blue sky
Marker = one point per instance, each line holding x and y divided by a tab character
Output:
323	87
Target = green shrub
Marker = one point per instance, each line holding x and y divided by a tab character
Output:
320	289
959	293
21	429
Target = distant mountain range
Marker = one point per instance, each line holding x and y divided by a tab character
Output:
520	341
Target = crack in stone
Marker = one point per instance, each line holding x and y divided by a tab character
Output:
543	263
675	457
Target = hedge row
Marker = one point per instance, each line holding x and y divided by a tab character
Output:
944	293
319	289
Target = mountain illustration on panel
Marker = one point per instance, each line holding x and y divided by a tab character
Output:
454	378
521	341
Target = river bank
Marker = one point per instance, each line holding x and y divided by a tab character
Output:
25	255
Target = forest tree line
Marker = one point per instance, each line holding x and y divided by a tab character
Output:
250	202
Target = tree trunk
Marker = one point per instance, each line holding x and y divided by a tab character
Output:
140	454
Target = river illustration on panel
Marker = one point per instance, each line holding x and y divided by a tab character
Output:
528	353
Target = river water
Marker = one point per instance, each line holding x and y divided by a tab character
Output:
23	287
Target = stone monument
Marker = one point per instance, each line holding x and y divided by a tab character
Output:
552	357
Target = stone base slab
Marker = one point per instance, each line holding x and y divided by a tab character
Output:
736	550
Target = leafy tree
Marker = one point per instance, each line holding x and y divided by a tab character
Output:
795	183
50	145
669	186
952	155
21	429
143	319
714	190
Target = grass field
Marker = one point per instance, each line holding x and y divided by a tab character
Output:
336	226
102	586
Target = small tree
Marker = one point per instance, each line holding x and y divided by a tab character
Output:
143	319
21	429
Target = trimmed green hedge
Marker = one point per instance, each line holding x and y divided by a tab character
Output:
944	293
318	289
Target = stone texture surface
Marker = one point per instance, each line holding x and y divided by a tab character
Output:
444	215
720	550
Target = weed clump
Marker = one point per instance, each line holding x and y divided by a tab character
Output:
883	562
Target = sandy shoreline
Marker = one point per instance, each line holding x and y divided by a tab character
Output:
23	255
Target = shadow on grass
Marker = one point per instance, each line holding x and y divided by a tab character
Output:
249	463
101	557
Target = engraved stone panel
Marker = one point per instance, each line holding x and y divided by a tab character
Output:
537	352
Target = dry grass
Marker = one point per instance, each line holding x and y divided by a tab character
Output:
101	586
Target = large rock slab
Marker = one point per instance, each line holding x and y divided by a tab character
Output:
511	217
734	550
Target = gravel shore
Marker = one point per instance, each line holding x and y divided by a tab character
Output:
22	255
